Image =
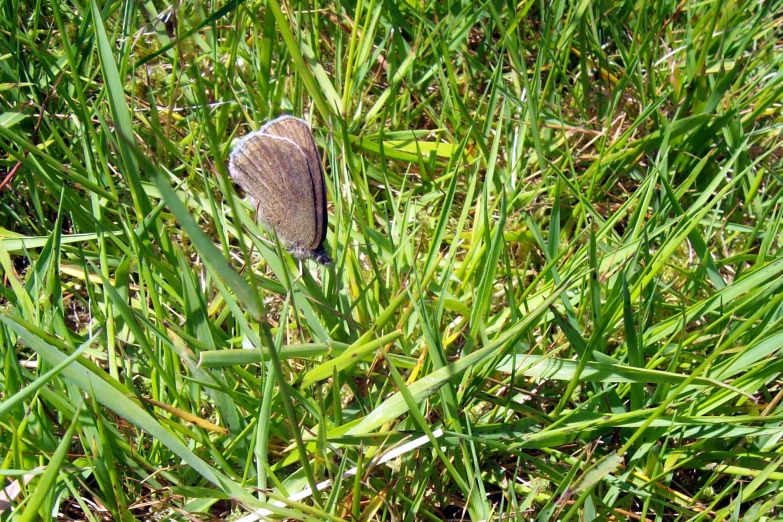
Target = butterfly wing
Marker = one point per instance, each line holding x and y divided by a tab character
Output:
275	172
299	132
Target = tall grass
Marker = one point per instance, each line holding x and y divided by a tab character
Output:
557	288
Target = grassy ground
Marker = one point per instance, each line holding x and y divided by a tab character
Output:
557	240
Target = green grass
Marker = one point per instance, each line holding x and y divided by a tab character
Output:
557	239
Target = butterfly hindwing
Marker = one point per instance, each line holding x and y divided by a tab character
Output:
298	131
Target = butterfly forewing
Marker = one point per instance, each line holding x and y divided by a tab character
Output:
298	131
275	171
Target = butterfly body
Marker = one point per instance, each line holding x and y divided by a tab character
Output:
280	168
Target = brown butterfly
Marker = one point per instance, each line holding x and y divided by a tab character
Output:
279	167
